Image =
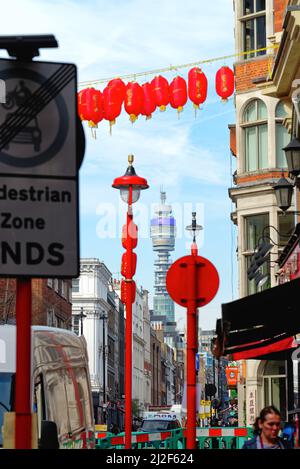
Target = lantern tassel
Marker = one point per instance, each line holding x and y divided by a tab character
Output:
132	118
162	108
179	110
111	123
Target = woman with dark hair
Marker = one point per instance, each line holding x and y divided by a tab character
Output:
266	429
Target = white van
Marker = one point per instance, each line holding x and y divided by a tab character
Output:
159	421
61	390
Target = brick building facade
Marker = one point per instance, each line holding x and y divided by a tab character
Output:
51	302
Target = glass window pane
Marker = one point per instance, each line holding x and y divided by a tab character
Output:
251	144
254	226
263	146
262	110
75	285
261	33
274	368
278	395
249	36
248	7
250	114
260	5
280	110
286	225
282	139
266	392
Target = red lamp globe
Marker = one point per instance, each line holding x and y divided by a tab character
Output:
130	185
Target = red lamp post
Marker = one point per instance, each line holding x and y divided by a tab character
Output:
192	282
130	186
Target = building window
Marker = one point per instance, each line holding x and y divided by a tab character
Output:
286	225
254	27
255	227
75	323
75	285
50	319
55	282
274	384
255	129
64	289
282	136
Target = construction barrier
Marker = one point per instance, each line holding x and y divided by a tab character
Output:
207	438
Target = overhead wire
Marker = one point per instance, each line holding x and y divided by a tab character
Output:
170	68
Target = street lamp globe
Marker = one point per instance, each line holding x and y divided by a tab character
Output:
130	184
292	153
283	191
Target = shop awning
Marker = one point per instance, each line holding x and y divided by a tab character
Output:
262	323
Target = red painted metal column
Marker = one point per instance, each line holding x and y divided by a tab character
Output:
191	348
128	332
23	374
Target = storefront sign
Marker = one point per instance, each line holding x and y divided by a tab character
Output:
291	268
232	375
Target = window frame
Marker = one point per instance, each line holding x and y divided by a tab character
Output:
243	18
256	123
247	253
279	120
72	289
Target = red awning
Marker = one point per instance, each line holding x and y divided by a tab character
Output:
278	346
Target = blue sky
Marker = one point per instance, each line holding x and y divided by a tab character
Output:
189	157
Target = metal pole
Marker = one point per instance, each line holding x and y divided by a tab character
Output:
81	319
128	335
191	350
104	370
23	374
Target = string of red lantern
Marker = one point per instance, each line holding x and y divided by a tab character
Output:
93	105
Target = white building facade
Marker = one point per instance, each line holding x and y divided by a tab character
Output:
90	312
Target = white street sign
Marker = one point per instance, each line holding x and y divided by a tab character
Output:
38	227
38	118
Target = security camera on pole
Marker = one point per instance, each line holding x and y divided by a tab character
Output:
192	282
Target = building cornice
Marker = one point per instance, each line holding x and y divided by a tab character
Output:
92	265
288	58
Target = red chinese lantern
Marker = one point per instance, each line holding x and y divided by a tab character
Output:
133	235
197	86
120	85
149	103
178	93
90	106
128	291
128	268
133	101
161	91
224	82
112	104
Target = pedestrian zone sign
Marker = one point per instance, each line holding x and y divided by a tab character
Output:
38	170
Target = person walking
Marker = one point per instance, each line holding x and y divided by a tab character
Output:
266	430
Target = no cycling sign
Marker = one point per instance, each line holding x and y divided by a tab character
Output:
38	170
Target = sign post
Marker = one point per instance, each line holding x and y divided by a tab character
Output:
39	230
192	282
